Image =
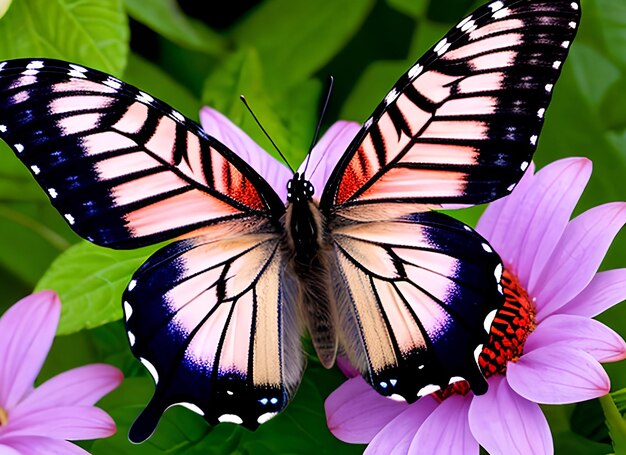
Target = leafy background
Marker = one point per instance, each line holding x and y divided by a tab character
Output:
278	53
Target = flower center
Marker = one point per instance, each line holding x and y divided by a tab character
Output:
4	417
509	330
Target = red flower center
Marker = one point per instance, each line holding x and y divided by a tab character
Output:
4	418
509	330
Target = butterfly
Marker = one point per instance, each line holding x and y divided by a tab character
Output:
365	263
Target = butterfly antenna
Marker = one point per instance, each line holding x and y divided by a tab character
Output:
331	81
243	100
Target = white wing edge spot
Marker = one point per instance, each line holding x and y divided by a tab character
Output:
502	13
3	128
368	123
79	74
192	407
498	272
572	24
487	248
575	6
151	369
142	96
30	72
19	148
500	289
454	379
112	83
440	46
53	193
78	68
469	25
524	165
70	219
557	64
34	65
477	352
495	6
131	338
177	115
230	418
132	285
391	96
427	390
265	417
533	139
2	65
511	187
565	44
464	21
541	112
128	310
35	169
396	397
549	87
489	320
415	71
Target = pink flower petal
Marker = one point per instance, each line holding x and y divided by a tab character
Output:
446	430
221	128
577	256
395	438
26	333
63	422
579	332
558	374
346	367
605	290
505	423
355	412
7	450
28	445
499	217
326	153
82	386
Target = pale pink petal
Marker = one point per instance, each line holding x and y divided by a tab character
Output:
326	153
395	438
221	128
63	422
446	430
355	412
346	367
7	450
558	374
26	333
505	423
577	256
500	217
82	386
579	332
605	290
35	445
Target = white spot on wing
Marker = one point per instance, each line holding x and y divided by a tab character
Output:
427	390
575	6
533	139
511	187
131	338
74	73
132	285
396	397
34	65
3	128
142	96
442	46
504	12
231	418
35	169
524	165
78	68
572	24
487	248
391	96
70	219
415	71
477	352
468	26
556	65
151	369
454	379
565	44
489	320
128	310
498	272
2	65
30	72
495	6
19	148
265	417
177	115
191	407
53	193
368	123
549	87
541	112
464	21
113	83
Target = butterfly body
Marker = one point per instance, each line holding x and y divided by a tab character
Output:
361	258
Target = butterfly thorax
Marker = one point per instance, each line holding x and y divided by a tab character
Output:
303	220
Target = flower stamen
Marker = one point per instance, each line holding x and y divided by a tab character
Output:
4	417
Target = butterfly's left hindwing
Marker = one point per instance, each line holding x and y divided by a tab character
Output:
210	321
418	292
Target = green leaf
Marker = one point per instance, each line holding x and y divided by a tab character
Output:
90	281
151	79
166	18
615	423
91	32
612	25
295	39
413	8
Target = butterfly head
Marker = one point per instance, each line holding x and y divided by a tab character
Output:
299	189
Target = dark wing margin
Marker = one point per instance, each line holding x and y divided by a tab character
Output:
209	320
415	301
461	125
124	169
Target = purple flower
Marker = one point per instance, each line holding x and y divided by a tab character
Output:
39	420
544	346
323	158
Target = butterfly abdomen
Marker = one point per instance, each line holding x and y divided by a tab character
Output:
308	258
